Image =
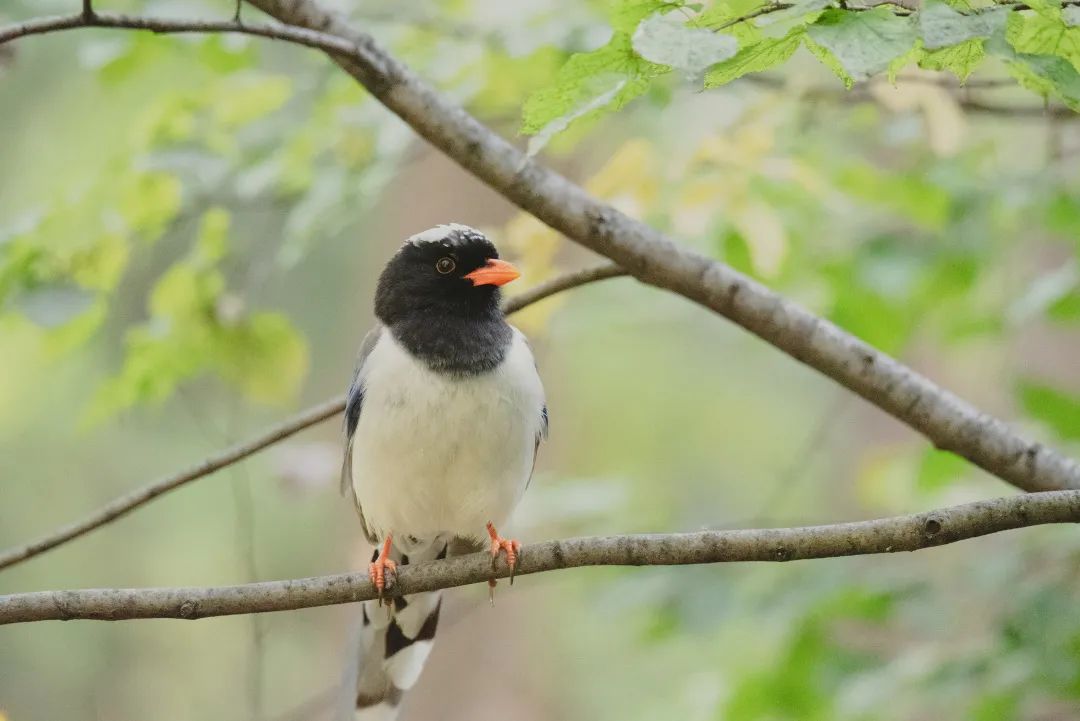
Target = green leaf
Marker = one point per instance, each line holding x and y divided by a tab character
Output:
586	76
736	252
940	26
939	469
626	14
243	100
1041	34
960	60
912	196
1057	409
149	201
212	243
1063	216
1048	76
869	315
997	706
667	40
756	58
265	355
863	43
1065	309
227	53
900	62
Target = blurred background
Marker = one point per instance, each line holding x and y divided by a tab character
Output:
190	230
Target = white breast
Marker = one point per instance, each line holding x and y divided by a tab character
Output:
436	454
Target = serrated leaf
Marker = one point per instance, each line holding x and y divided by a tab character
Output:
829	60
538	141
1048	76
960	60
668	40
1043	34
863	43
900	62
1056	408
587	75
756	58
940	26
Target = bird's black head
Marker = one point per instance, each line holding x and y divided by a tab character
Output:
440	296
449	270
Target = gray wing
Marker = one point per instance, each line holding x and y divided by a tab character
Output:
354	403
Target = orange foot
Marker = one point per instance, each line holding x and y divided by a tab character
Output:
377	569
499	545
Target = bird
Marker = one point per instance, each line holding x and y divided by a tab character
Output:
443	422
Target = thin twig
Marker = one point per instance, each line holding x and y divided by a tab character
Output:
305	419
563	282
127	503
887	535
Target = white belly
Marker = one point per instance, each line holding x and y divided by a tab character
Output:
434	454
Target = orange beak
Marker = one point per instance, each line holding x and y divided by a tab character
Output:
496	272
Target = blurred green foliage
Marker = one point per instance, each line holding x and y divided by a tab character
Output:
190	229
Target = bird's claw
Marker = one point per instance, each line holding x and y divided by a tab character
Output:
378	568
512	549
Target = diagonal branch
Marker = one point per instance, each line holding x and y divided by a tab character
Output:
127	503
949	422
887	535
946	420
123	505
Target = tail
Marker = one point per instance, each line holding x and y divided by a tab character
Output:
395	641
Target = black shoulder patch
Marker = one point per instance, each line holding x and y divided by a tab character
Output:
353	404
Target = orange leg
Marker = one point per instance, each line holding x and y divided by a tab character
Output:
498	545
377	569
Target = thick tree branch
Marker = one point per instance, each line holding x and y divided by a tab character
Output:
888	535
945	419
127	503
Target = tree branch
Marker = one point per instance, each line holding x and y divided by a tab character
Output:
127	503
949	422
946	420
887	535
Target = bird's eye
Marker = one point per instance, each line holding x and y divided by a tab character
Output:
445	265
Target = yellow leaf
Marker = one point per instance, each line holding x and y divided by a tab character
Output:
534	246
630	178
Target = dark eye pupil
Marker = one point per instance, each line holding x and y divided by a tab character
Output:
445	265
